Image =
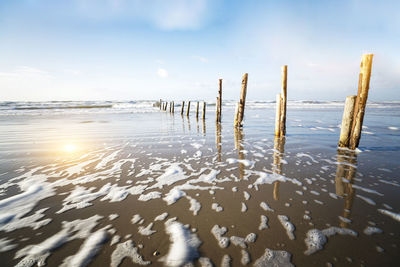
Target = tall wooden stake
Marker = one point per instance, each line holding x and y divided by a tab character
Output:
188	109
217	110
361	100
219	100
160	103
182	107
347	121
197	110
240	111
204	110
173	107
282	125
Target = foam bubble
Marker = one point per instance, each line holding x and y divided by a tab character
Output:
315	240
226	261
369	230
289	227
216	207
88	250
274	258
265	206
244	207
161	217
218	233
127	249
264	223
238	241
146	230
245	257
184	245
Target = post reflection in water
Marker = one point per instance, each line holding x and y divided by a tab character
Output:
218	140
183	124
345	173
188	122
204	127
279	149
238	133
197	125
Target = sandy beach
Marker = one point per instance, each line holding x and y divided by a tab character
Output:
135	185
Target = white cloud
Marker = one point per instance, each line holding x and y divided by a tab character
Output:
163	73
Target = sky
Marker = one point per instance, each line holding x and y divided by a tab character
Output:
178	49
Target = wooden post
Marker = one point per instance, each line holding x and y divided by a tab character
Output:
217	109
361	100
347	121
183	106
219	99
282	124
166	106
173	107
240	112
188	109
278	115
197	110
160	103
204	110
170	107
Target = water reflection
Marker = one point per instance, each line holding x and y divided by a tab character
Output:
218	141
183	124
345	173
279	149
188	122
204	127
238	134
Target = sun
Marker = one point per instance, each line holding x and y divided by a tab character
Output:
70	148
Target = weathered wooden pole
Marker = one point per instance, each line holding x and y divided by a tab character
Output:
166	106
219	101
240	111
160	103
361	100
347	121
188	109
282	124
182	107
278	116
173	107
217	109
204	110
197	110
170	107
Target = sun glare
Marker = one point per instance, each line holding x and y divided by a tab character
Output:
70	148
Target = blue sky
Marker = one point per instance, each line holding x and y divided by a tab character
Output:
177	49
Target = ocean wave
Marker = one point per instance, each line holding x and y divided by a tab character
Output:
145	106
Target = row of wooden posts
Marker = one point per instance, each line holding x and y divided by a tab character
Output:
353	114
164	106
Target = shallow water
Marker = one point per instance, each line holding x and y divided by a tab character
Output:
94	188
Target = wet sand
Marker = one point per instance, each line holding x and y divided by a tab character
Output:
178	163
